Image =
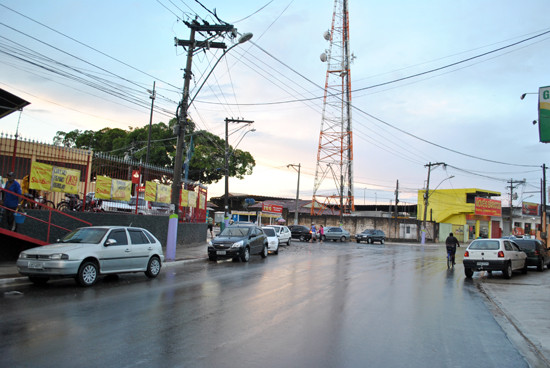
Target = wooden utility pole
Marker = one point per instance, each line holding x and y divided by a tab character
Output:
426	197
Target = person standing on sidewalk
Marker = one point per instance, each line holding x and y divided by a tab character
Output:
11	201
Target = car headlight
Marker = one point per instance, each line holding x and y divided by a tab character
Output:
210	242
238	244
58	256
23	255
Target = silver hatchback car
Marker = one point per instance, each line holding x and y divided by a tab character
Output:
87	252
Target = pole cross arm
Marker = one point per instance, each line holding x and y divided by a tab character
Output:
200	44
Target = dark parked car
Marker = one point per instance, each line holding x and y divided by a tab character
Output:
371	236
537	254
238	242
300	232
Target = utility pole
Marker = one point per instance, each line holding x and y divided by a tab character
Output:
297	192
396	209
543	207
152	97
226	161
513	185
426	196
179	130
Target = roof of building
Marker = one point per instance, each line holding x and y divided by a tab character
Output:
10	103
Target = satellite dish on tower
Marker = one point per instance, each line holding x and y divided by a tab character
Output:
323	57
326	35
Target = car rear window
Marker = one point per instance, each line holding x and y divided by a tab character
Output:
526	244
485	245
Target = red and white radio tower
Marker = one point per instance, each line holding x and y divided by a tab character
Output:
335	153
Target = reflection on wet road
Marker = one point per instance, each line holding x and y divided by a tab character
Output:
313	305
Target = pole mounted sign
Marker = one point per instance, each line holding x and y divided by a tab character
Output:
544	114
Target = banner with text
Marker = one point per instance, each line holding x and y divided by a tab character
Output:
488	207
121	190
103	187
41	176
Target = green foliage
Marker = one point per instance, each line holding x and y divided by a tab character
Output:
206	166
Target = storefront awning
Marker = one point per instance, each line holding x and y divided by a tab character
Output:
10	103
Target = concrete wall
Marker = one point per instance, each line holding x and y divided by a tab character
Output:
355	224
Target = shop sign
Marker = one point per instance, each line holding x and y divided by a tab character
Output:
273	208
488	207
544	114
530	209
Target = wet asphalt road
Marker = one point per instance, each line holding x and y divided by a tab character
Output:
313	305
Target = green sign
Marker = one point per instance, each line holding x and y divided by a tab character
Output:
544	114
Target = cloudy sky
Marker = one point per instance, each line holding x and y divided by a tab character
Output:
432	81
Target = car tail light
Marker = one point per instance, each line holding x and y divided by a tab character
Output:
537	253
149	205
500	254
466	254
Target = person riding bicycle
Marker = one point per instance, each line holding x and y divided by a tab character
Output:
451	243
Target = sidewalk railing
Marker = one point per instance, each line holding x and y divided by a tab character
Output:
41	206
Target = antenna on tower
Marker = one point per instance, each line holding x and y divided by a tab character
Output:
335	152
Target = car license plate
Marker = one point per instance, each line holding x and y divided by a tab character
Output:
36	265
483	263
220	252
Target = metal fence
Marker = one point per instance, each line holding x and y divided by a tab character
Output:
18	154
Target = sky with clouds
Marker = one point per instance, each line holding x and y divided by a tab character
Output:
432	81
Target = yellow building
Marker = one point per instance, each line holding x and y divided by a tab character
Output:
455	210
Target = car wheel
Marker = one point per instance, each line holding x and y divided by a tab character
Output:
213	258
245	257
507	271
153	267
87	274
358	241
276	251
343	239
381	241
37	280
264	251
540	266
302	238
369	240
468	272
524	269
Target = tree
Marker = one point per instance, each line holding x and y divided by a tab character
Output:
207	163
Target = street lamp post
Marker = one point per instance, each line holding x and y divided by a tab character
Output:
226	160
297	192
426	198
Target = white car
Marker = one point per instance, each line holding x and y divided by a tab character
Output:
272	239
494	255
283	233
87	252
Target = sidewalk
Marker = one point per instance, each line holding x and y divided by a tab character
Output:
187	253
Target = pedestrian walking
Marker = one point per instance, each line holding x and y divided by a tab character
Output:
321	233
313	233
211	226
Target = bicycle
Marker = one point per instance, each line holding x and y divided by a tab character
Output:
450	260
36	202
